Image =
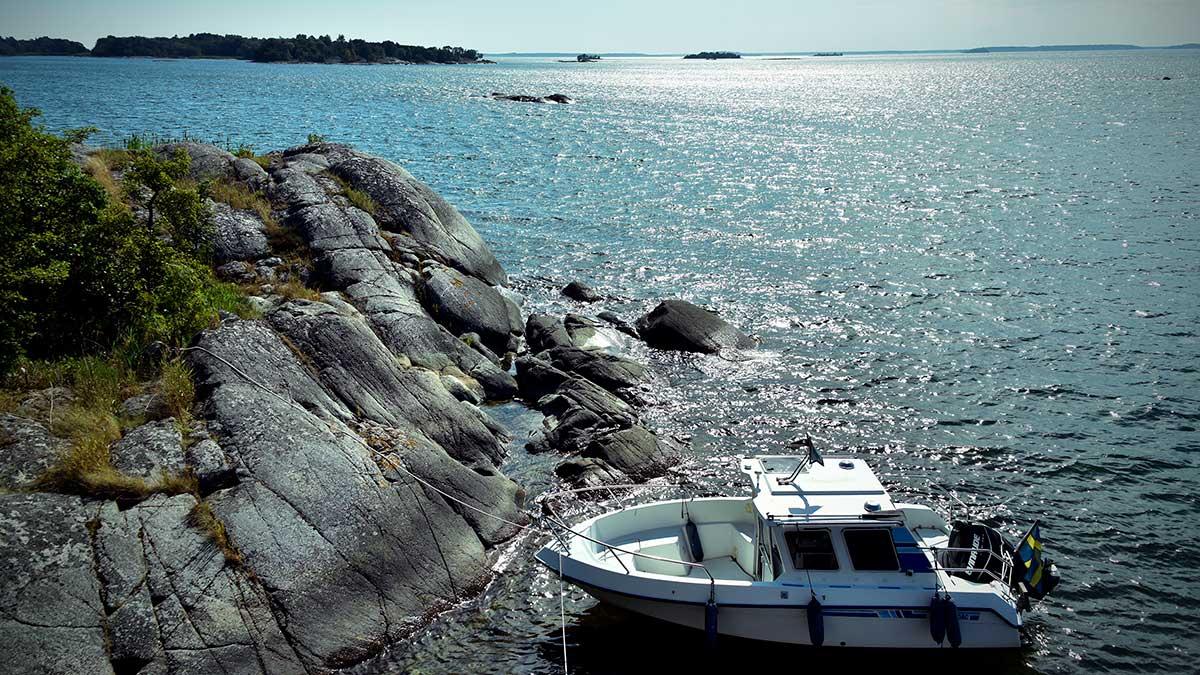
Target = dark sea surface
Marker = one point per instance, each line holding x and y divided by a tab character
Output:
981	273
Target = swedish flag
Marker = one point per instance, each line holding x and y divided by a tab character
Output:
1040	575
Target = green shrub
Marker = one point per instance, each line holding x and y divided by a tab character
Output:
316	138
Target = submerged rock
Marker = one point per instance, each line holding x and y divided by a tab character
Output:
526	98
577	290
680	325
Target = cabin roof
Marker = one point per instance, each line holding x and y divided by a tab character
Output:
842	487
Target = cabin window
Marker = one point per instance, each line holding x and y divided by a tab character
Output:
811	550
871	550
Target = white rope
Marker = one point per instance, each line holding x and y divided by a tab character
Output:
562	614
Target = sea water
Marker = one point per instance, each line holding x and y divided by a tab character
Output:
980	273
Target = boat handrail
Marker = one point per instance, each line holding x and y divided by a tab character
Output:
712	581
1003	577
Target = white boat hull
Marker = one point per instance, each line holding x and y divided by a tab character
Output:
868	628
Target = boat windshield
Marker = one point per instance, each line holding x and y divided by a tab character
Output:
811	549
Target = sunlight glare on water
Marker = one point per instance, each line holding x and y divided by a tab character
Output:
978	272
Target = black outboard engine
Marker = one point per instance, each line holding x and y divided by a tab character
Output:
991	559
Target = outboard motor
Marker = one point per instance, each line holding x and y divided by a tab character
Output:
1031	575
992	554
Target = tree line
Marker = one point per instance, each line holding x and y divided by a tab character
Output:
302	48
43	46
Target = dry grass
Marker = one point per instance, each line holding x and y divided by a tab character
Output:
356	197
202	518
240	197
102	174
179	392
86	468
114	159
293	289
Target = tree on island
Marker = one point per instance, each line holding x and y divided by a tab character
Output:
714	55
302	48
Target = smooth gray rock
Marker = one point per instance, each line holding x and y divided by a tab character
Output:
617	374
296	188
51	615
543	332
428	224
351	361
250	173
589	472
387	297
634	451
680	325
212	468
352	553
464	304
584	418
577	290
27	449
483	487
237	272
208	161
240	235
617	322
175	602
328	227
150	451
150	406
258	353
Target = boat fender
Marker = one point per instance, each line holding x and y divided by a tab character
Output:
693	540
937	619
710	622
953	631
816	622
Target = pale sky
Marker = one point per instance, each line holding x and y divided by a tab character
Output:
630	25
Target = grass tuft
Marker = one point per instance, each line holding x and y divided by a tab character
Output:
202	518
179	392
86	468
241	197
293	289
356	197
99	170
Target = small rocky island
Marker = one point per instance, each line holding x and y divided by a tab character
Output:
314	500
712	56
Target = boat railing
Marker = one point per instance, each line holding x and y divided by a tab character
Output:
983	568
563	534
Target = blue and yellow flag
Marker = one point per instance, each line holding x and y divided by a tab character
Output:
1040	575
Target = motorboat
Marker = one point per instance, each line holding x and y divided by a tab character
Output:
817	554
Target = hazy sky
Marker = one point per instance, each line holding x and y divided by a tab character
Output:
630	25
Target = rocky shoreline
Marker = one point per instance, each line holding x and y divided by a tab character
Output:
383	326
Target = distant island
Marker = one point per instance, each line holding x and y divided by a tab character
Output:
299	49
828	54
43	46
714	55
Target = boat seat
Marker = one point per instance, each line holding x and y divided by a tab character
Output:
722	568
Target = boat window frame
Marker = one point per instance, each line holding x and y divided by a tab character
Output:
887	532
837	560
